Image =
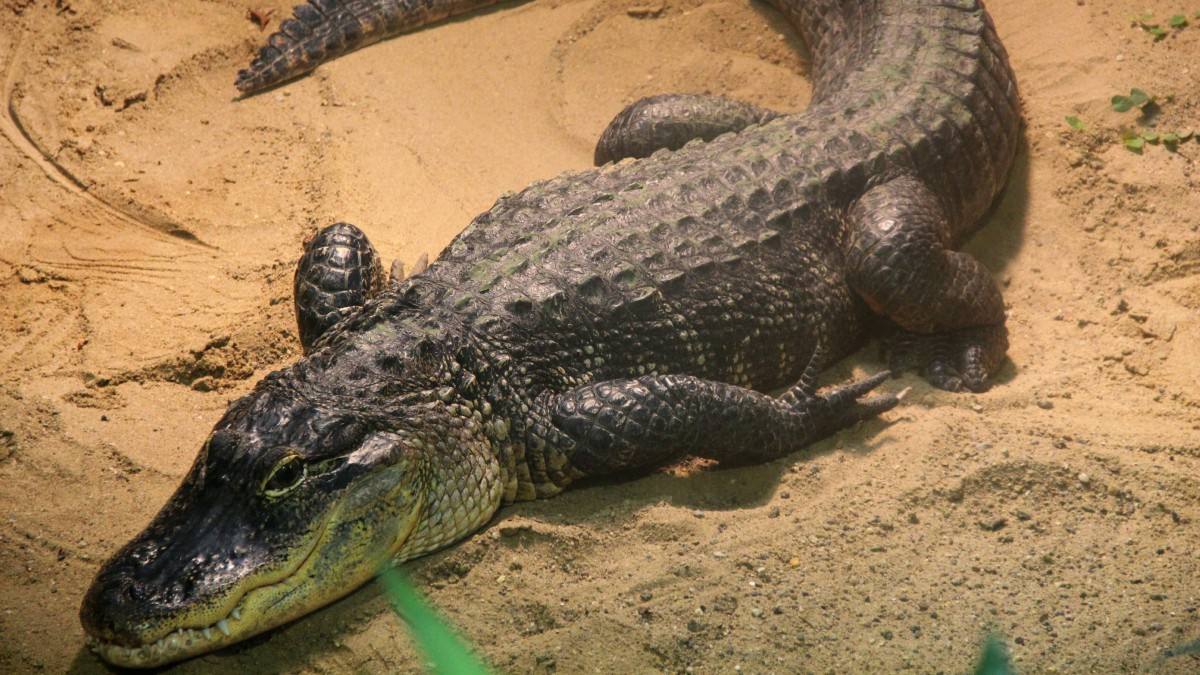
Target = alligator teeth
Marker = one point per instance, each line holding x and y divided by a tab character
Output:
207	633
223	626
237	613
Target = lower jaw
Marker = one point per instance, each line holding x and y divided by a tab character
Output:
175	646
185	643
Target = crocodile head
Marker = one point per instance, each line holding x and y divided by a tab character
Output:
290	504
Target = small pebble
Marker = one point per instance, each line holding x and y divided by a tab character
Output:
993	524
1044	404
1084	478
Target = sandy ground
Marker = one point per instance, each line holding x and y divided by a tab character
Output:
148	228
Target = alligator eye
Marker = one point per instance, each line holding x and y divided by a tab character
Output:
285	476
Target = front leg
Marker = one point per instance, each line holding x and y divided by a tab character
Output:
620	425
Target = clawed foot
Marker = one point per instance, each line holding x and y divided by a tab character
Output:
958	361
841	405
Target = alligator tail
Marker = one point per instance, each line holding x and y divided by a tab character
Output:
322	30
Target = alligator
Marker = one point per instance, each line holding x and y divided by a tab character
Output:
679	299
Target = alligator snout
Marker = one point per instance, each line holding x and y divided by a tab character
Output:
110	604
155	585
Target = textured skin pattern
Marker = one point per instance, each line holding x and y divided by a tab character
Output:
731	260
898	261
322	30
669	121
602	320
338	272
624	424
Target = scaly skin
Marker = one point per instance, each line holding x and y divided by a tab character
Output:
670	121
337	273
602	321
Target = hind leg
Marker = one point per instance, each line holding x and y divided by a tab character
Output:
337	274
946	303
671	120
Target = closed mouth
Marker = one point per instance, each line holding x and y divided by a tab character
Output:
184	642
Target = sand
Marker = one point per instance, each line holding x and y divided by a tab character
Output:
148	229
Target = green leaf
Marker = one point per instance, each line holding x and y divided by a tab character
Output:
1138	97
1121	103
1075	123
1150	136
1184	135
1170	138
1132	140
1178	21
450	656
1158	32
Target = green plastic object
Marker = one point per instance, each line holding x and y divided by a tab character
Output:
433	636
994	660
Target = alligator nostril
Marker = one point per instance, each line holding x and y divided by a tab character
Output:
103	603
115	602
134	593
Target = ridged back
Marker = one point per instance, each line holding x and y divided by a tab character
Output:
723	259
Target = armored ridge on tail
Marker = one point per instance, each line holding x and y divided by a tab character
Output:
602	321
322	30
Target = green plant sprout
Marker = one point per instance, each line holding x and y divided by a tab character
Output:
1156	30
1146	23
1136	99
1133	140
1146	105
447	653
